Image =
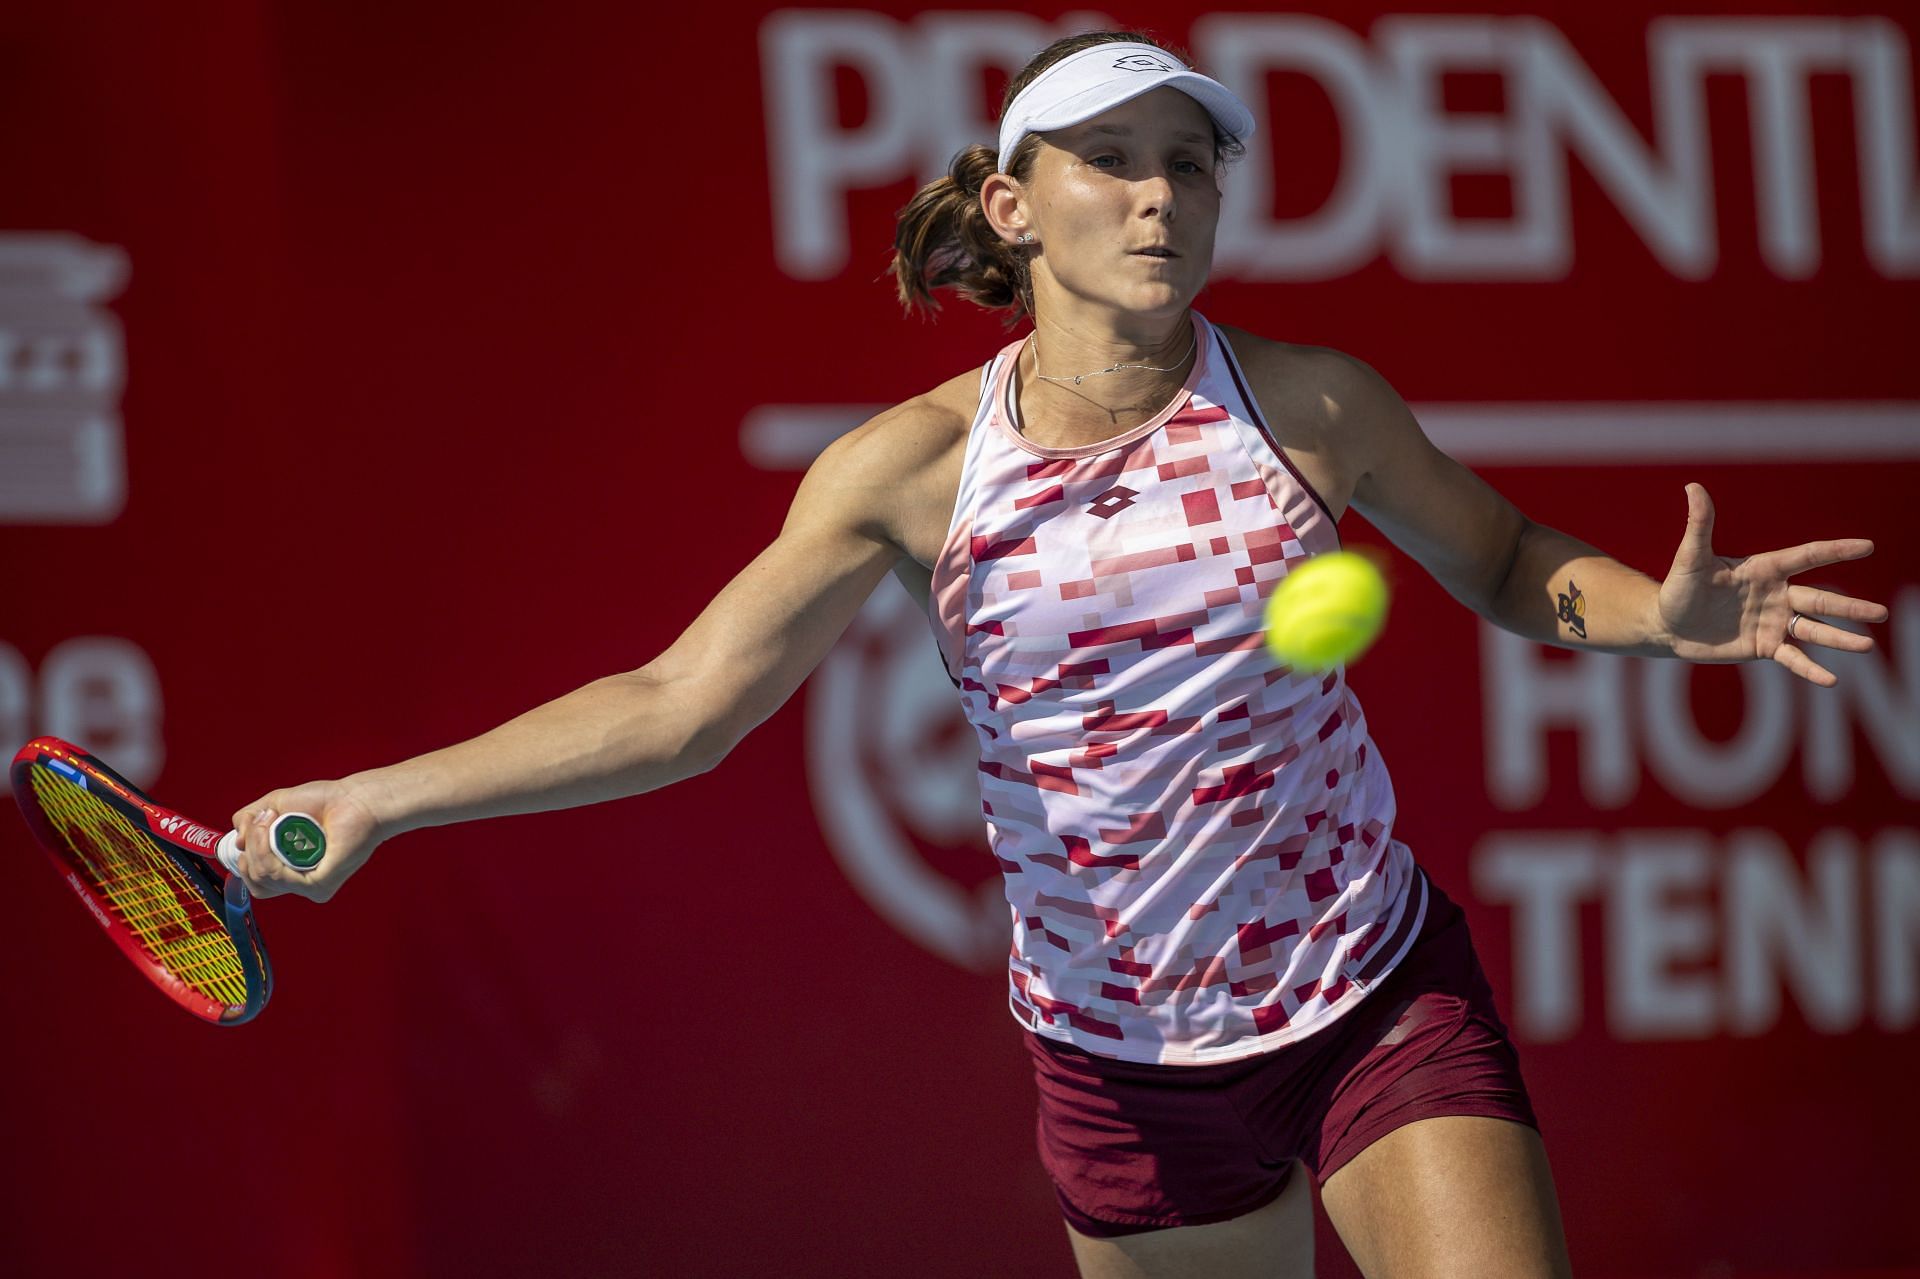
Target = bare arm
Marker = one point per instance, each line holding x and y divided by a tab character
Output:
676	716
1536	581
683	711
1475	542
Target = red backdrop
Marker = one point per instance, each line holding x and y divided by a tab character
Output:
374	374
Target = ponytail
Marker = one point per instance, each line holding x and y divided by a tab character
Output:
942	239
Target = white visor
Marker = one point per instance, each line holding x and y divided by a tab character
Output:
1082	85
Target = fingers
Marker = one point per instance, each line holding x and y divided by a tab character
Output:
1809	600
265	873
257	864
1803	631
1811	555
1802	665
1700	512
1809	631
1697	543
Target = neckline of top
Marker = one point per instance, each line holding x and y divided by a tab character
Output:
1004	408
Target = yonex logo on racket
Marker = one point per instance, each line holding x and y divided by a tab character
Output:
191	832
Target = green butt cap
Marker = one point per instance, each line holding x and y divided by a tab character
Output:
299	840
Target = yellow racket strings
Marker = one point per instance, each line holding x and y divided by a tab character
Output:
158	903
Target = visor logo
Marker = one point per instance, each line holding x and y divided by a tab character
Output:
1141	62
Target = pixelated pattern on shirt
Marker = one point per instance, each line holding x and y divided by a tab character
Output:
1195	838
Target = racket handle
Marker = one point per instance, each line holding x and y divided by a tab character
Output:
294	837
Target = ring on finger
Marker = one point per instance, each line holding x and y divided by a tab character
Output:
1791	623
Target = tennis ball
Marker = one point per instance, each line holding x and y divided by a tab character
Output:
1325	612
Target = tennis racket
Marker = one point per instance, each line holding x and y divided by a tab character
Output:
165	888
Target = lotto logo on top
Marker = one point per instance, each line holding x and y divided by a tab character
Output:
1400	147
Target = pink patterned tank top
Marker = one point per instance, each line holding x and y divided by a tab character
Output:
1197	841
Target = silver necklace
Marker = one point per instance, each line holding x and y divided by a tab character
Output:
1192	338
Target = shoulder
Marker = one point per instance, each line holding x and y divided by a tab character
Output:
898	459
899	440
1312	385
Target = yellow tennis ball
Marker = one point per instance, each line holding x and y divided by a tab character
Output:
1325	612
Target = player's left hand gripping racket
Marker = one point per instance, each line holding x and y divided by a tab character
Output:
165	888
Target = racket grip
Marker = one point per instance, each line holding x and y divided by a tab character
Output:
294	837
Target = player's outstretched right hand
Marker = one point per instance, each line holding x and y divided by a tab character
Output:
351	830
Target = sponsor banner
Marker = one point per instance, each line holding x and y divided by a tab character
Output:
363	385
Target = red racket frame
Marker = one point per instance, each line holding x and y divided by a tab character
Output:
190	845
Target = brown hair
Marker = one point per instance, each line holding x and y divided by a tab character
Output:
942	238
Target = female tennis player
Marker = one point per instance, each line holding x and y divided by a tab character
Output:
1230	975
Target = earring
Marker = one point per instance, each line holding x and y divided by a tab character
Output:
1026	237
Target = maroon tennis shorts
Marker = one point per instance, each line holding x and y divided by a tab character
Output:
1134	1147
